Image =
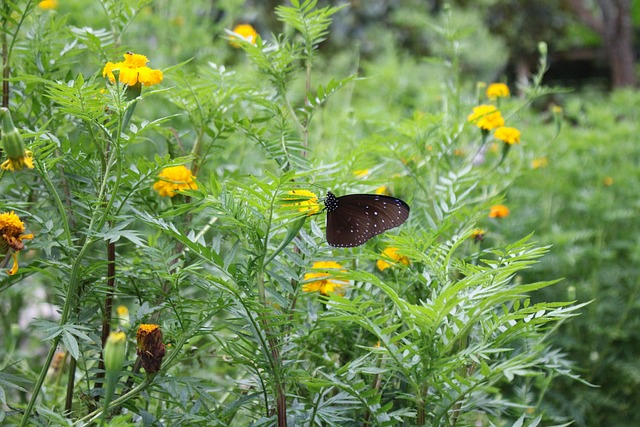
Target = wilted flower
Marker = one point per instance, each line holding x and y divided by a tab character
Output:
247	32
132	70
478	235
390	257
507	135
498	211
17	156
150	347
11	229
174	178
486	117
322	281
497	90
306	200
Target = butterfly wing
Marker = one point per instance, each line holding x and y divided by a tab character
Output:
356	218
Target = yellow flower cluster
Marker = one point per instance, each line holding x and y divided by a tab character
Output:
488	117
132	70
174	179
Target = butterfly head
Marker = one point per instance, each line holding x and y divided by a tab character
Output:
331	202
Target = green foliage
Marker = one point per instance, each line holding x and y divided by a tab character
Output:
224	267
588	216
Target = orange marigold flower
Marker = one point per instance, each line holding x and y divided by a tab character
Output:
391	257
507	135
132	70
11	229
497	90
498	211
322	281
486	117
247	32
174	178
306	200
150	347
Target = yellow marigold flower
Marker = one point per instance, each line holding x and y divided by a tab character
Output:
361	173
607	181
150	347
540	162
309	206
478	234
507	135
247	32
132	70
498	211
18	163
322	281
11	229
391	257
486	117
48	4
497	90
383	190
174	178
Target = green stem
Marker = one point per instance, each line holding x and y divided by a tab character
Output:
57	200
70	300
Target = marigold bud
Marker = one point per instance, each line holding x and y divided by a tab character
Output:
11	139
115	352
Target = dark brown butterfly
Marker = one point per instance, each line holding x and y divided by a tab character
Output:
355	218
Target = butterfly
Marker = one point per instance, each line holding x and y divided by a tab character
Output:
355	218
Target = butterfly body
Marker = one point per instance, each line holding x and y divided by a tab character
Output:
355	218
